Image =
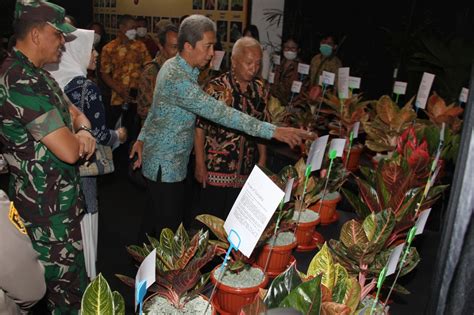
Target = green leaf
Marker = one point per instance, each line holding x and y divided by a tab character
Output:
378	227
322	263
340	283
352	233
281	286
360	208
97	298
306	297
352	294
369	195
119	303
215	224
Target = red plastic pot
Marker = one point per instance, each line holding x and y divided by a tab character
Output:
229	300
279	258
354	158
305	231
327	212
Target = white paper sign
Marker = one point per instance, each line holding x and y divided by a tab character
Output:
399	88
355	129
303	68
463	96
271	77
288	188
424	90
328	78
253	209
146	272
316	152
338	145
354	83
296	86
343	82
276	59
217	60
421	222
393	259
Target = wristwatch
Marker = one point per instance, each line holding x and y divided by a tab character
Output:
85	128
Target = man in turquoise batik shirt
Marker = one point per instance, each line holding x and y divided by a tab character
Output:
166	139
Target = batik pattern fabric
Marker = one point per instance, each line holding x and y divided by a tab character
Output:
44	189
231	155
146	86
168	132
285	74
124	62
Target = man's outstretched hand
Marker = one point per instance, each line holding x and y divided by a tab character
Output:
293	136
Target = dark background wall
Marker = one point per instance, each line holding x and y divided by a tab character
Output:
379	35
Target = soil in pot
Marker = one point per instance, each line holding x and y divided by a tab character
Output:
157	305
280	255
236	290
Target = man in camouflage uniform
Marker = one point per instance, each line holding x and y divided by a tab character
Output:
37	131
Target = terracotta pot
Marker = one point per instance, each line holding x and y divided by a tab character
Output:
328	209
229	300
212	308
305	231
279	259
354	158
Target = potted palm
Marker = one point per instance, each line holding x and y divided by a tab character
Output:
179	259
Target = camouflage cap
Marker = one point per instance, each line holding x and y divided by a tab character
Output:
43	11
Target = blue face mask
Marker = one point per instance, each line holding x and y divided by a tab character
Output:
326	50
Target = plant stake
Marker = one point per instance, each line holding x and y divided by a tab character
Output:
380	282
332	156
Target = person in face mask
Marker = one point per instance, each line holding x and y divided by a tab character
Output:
325	60
142	35
121	65
286	72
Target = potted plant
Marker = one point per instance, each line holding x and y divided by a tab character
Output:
241	281
179	259
386	123
99	299
346	113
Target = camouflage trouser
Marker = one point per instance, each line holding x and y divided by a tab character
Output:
60	250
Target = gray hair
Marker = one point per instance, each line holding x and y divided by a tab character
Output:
192	30
244	42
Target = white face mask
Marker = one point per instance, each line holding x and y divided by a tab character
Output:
97	38
141	31
290	55
131	34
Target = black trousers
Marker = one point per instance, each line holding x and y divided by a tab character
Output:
217	201
166	208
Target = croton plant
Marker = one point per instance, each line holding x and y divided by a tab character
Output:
179	260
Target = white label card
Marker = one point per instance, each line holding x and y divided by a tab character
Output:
421	222
217	60
354	83
146	272
355	129
343	82
424	90
288	188
338	145
296	86
253	209
271	77
276	59
303	68
316	152
399	88
328	78
464	95
393	259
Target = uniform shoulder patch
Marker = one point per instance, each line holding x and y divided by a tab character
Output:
15	219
